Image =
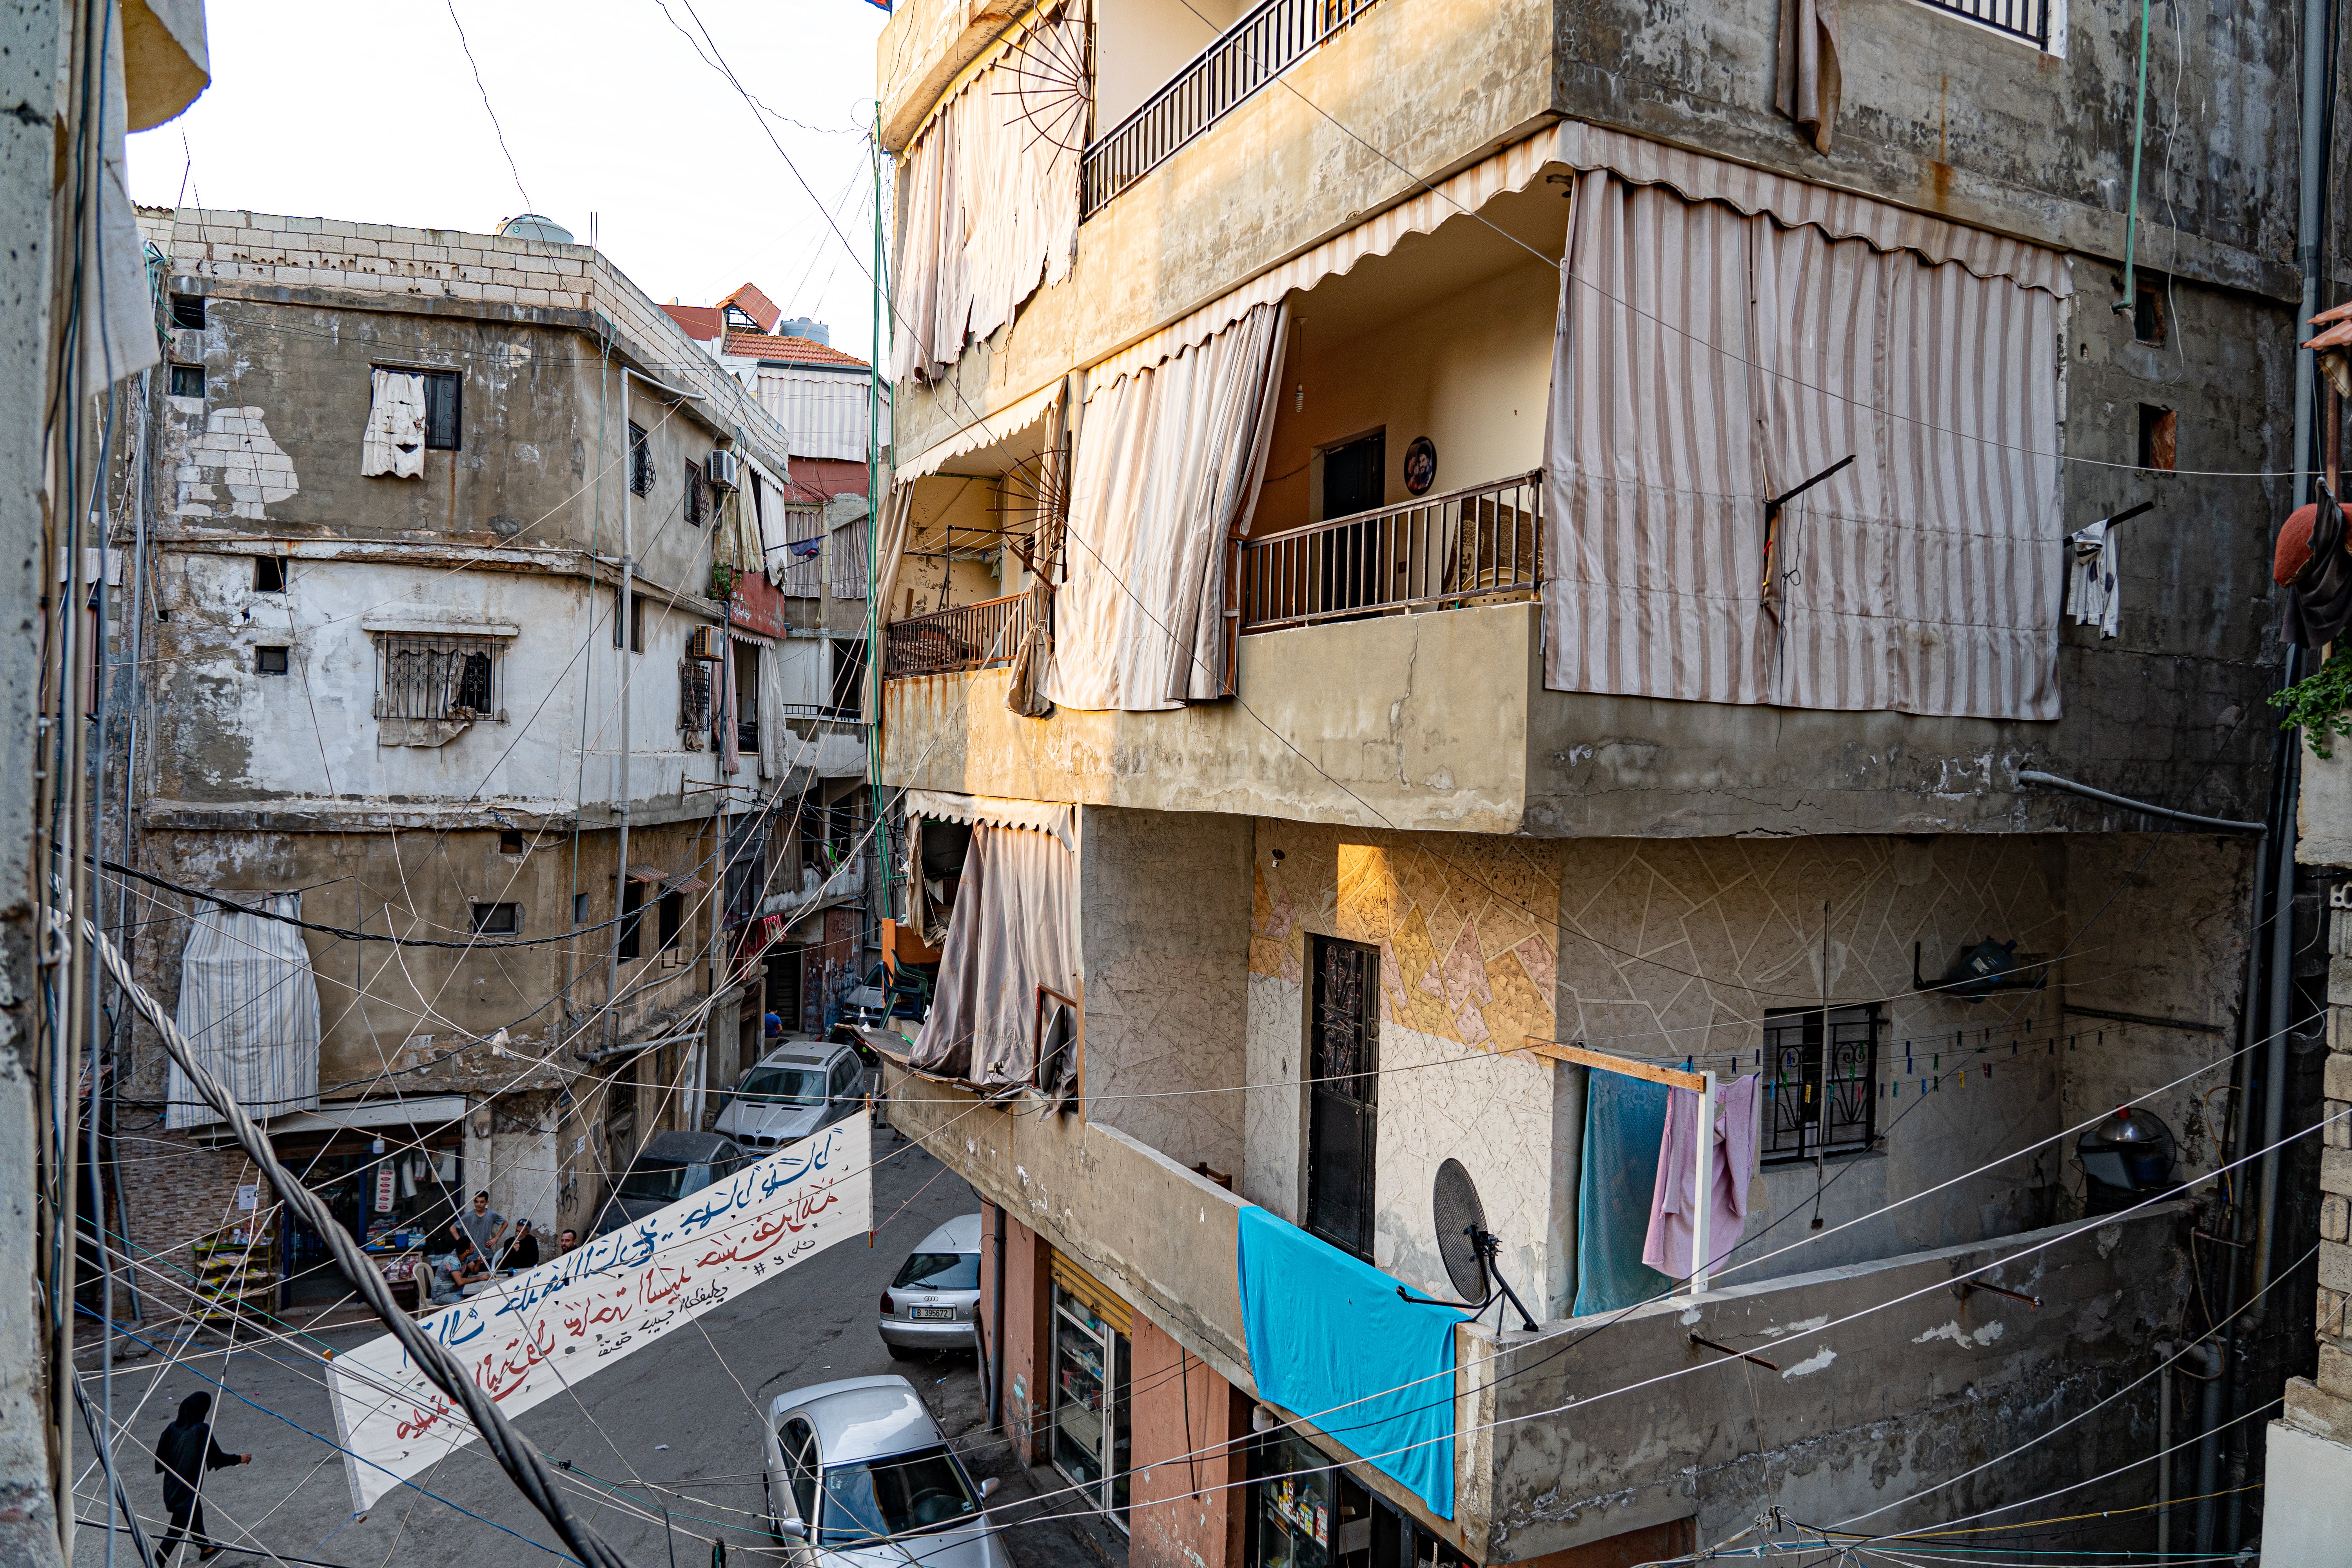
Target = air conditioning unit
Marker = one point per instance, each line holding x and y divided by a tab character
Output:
724	470
188	345
705	645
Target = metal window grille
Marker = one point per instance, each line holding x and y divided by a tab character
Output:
641	461
2026	19
693	701
1243	58
1801	1120
697	497
428	676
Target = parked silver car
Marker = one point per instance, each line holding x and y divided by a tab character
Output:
930	1304
855	1466
793	1092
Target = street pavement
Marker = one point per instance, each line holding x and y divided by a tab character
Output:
673	1429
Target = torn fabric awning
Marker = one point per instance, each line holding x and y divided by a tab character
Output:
990	811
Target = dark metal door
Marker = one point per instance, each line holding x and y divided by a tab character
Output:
1343	1094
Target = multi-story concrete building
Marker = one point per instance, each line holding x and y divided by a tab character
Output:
451	608
1446	560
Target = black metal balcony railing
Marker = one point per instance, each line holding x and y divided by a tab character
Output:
1470	546
2026	19
969	637
1244	58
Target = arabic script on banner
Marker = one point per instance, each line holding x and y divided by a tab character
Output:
539	1332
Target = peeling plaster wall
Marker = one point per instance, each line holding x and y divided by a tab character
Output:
1163	939
226	733
1918	1387
422	1012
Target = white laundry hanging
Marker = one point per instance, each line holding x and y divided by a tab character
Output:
2093	574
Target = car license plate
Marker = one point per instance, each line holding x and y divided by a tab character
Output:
931	1314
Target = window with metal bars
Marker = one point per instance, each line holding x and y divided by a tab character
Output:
697	494
432	677
693	701
1795	1068
641	461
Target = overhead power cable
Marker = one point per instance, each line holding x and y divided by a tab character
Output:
516	1457
346	933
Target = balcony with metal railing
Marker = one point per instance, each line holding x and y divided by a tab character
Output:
1244	58
1481	546
968	637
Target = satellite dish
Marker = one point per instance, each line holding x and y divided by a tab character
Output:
1461	1220
1468	1247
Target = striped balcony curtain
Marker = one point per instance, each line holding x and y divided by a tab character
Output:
1711	353
249	1006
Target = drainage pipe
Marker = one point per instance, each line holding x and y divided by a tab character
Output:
996	1330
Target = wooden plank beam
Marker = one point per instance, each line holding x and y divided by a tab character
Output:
1580	1056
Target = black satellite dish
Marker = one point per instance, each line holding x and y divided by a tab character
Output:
1461	1220
1468	1247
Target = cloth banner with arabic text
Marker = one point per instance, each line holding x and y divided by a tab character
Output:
533	1336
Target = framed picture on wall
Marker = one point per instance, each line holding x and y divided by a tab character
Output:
1420	465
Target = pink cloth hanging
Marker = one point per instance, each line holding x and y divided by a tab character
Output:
1730	1166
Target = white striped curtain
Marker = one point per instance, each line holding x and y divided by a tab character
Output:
249	1006
1705	359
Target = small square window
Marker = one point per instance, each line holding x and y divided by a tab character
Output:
2148	314
187	381
496	919
269	660
188	310
442	411
579	908
269	575
510	841
2159	438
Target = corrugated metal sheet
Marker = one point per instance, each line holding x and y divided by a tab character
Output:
1706	358
823	413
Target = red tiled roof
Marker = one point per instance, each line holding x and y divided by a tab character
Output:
700	321
756	305
789	350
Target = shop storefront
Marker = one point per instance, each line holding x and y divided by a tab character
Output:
1306	1511
1091	1441
396	1185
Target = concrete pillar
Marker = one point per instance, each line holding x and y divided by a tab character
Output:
1027	1327
29	74
2307	1508
1187	1423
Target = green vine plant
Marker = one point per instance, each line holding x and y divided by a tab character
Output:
722	581
2320	704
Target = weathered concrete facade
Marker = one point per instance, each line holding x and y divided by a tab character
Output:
560	530
1668	882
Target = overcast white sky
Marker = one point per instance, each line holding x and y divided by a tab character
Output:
371	113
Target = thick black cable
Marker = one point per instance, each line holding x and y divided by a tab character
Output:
517	1458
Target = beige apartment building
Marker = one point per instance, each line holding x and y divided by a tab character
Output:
1455	567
